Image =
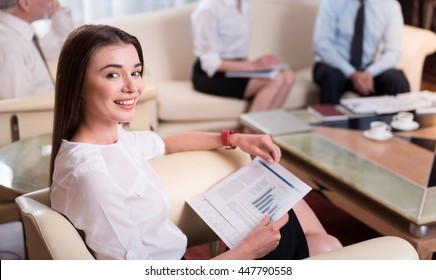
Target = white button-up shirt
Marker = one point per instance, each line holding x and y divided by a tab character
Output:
220	31
334	29
22	68
113	195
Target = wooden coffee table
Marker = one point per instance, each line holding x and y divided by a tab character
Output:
383	184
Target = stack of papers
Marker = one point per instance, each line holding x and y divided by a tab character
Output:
234	206
388	104
268	73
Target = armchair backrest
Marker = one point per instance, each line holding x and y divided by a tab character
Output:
48	234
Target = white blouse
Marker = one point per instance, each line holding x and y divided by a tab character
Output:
113	195
220	31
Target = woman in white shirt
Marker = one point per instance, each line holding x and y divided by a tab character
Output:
101	179
221	33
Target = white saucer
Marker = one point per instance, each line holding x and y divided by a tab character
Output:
412	126
369	135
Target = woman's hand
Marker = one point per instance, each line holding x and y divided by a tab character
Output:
257	145
266	61
260	241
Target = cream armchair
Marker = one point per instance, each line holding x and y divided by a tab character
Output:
50	235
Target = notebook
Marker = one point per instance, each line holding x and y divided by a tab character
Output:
269	73
274	122
327	112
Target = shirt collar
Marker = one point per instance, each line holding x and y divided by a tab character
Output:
17	25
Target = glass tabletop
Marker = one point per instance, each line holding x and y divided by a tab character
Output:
416	203
24	164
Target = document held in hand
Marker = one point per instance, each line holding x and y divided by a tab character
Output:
234	206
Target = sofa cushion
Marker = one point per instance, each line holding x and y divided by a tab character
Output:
303	92
178	101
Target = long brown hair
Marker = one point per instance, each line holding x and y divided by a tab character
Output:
74	58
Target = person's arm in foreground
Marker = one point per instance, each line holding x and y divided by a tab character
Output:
265	236
253	144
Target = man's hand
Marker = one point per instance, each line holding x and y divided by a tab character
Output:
52	7
363	83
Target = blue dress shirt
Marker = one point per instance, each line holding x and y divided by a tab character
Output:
383	30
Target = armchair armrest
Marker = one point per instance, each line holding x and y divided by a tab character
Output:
187	174
380	248
34	116
49	235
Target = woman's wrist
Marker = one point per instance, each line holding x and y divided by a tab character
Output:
225	138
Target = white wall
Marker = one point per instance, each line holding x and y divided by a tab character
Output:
87	11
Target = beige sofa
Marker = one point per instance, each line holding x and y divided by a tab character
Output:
283	27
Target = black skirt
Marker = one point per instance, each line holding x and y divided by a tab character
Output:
293	243
218	84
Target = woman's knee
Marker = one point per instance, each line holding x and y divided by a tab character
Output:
322	243
284	79
289	78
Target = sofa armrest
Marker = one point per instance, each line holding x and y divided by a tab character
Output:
380	248
418	43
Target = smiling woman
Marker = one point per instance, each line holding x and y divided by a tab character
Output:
114	84
102	181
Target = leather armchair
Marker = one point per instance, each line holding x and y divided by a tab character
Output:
50	235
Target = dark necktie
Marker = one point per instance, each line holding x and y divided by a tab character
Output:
357	43
38	47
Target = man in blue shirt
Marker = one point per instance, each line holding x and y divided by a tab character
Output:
380	52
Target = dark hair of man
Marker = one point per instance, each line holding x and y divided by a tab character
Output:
74	58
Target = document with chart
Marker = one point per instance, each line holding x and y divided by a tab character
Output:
234	206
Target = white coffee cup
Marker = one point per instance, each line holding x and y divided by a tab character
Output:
379	129
403	119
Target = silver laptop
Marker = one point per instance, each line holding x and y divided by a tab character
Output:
274	122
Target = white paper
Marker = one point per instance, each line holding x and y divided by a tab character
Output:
233	207
390	104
